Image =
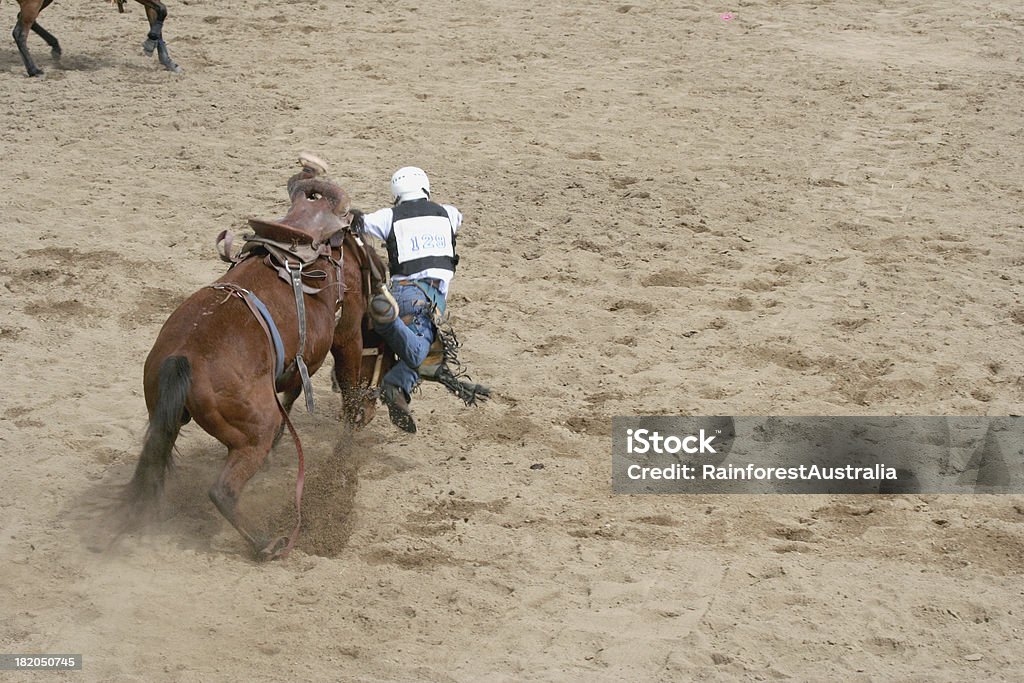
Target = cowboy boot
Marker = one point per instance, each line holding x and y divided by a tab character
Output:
383	308
394	398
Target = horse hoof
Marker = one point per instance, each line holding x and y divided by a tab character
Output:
275	550
148	46
174	68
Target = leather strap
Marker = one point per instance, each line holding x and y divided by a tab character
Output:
300	479
372	278
227	239
300	307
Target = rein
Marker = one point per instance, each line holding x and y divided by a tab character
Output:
372	279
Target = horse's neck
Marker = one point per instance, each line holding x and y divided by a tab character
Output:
368	260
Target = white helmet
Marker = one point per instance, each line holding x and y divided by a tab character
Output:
409	183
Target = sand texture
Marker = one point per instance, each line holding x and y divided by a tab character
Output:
807	209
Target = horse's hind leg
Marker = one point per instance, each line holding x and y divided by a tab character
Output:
50	39
241	466
156	12
26	19
248	431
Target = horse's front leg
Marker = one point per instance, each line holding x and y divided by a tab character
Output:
26	19
347	350
156	13
50	39
348	357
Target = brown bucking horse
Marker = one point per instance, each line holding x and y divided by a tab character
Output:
30	9
297	290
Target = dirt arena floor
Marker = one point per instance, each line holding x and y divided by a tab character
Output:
810	208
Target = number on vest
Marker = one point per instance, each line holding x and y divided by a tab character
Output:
423	236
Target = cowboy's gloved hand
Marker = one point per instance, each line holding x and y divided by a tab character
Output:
357	221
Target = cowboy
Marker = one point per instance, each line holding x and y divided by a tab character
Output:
420	239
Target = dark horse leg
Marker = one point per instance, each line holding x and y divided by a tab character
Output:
156	13
50	39
352	408
30	9
347	350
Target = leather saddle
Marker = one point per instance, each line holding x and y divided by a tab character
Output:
319	211
317	221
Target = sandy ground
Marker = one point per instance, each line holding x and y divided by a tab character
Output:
810	208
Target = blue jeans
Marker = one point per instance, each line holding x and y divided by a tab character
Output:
409	342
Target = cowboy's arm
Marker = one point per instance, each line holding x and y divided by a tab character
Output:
378	224
454	215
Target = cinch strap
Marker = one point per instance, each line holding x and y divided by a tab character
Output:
274	335
259	307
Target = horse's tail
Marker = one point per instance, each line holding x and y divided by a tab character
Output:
173	385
